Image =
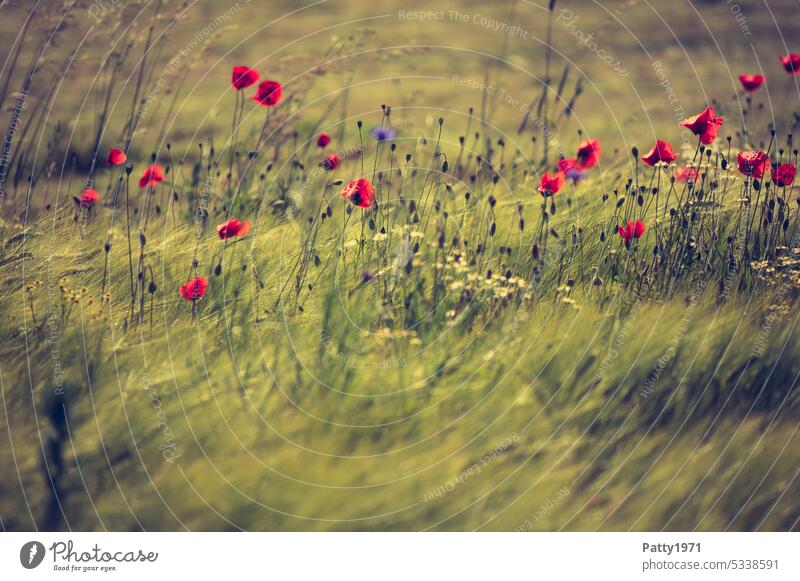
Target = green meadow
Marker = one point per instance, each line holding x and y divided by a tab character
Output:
463	353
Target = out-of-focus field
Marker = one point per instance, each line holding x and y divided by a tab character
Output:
535	419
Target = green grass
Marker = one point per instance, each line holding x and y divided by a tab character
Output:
422	398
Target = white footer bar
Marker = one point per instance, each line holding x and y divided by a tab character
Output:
402	556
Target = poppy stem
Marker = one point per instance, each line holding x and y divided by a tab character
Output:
128	228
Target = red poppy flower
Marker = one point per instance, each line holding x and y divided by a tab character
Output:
268	93
116	157
360	192
704	124
589	153
549	185
151	176
662	151
783	174
233	227
791	62
331	162
323	140
685	174
89	197
194	289
751	83
243	77
631	230
752	163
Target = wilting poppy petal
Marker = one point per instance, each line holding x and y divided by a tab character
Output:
359	192
268	93
323	140
243	77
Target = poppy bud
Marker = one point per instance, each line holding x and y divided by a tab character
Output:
152	287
